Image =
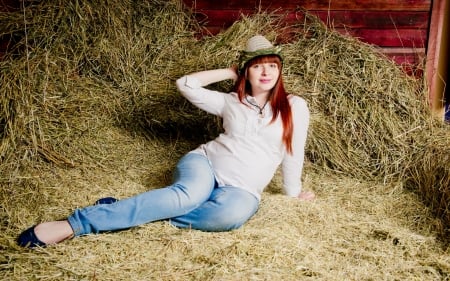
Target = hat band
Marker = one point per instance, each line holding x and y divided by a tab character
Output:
247	56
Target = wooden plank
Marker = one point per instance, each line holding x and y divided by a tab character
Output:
411	38
395	51
351	19
436	65
368	19
353	5
407	38
405	56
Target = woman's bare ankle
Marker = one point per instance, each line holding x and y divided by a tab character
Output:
53	232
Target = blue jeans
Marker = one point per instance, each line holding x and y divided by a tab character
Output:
193	200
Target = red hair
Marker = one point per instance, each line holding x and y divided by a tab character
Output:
277	96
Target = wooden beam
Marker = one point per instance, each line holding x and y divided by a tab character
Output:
437	56
350	5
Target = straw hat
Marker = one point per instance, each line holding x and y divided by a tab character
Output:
257	46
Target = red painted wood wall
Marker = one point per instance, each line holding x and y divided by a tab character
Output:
398	27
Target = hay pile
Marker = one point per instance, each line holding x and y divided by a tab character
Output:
89	109
370	120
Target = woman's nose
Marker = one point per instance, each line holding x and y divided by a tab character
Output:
263	72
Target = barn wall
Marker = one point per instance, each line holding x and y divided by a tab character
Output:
398	27
401	28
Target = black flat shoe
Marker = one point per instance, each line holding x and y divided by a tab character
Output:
28	239
106	200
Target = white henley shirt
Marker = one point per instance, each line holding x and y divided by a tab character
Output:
249	151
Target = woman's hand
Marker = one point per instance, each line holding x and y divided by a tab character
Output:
234	69
306	196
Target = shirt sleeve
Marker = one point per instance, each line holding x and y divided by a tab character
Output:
208	100
292	164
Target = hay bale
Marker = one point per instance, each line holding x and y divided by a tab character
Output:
369	119
365	110
74	69
428	173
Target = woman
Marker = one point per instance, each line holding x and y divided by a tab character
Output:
218	186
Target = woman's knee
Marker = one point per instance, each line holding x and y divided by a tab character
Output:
193	178
194	170
238	207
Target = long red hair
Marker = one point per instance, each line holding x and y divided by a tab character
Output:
277	97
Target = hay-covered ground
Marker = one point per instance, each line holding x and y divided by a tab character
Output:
89	109
354	231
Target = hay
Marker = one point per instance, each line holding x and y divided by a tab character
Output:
378	233
429	174
366	112
89	109
74	58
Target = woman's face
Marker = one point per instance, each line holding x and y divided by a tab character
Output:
263	76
